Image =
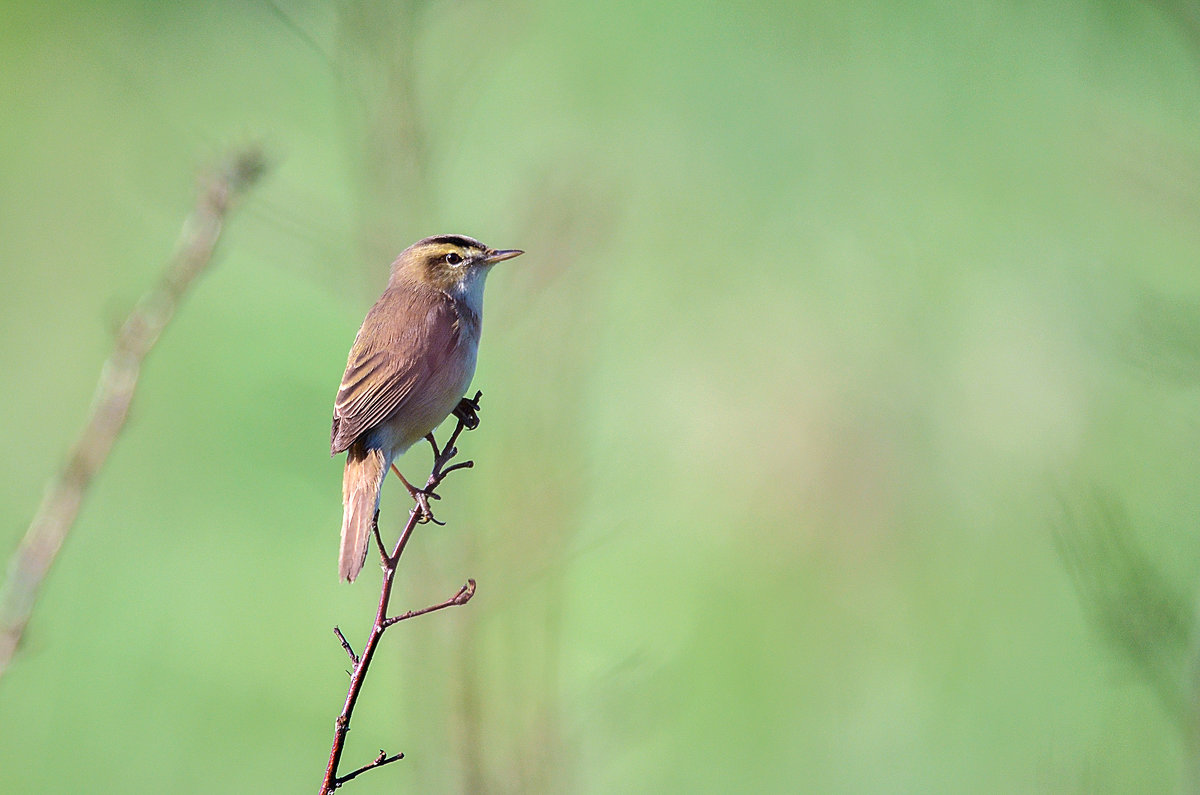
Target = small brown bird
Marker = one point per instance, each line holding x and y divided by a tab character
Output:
409	366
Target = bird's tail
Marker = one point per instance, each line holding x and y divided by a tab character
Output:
365	470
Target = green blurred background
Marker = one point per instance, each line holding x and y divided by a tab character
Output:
839	426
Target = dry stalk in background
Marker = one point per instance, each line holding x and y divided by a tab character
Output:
218	192
467	420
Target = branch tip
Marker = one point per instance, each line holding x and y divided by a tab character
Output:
465	593
346	645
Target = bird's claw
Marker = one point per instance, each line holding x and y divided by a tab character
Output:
467	411
422	498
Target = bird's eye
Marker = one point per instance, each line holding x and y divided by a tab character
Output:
453	258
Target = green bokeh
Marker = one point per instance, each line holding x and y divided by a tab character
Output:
830	313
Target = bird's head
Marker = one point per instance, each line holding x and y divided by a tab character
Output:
454	264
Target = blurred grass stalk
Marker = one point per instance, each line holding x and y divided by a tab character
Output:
218	192
1139	612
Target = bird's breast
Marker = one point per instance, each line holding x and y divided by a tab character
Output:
432	398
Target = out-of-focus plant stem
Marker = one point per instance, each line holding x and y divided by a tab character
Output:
219	190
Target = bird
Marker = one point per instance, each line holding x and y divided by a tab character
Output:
411	362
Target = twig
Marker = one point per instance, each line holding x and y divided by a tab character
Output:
461	598
346	645
380	761
467	419
50	526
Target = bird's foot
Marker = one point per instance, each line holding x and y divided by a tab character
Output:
422	498
467	411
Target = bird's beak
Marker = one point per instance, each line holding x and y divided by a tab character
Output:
493	256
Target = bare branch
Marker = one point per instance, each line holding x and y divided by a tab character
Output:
461	598
463	465
346	645
380	761
37	551
389	561
378	538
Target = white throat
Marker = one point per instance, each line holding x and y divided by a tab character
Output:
470	289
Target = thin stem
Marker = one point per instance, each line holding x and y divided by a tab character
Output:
461	598
463	465
346	645
27	569
390	562
378	539
380	761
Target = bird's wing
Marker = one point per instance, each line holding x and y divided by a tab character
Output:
401	343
